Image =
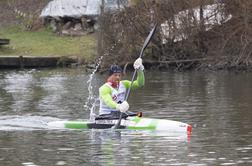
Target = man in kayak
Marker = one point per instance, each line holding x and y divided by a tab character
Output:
112	93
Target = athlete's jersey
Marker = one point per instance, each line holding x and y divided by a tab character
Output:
117	95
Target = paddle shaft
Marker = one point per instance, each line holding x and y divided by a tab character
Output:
147	41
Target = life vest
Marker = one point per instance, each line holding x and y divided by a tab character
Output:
118	96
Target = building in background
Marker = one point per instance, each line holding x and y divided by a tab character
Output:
77	17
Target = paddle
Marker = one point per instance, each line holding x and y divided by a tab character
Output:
147	41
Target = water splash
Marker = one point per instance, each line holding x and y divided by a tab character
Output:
92	98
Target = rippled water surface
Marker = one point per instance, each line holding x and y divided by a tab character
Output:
217	104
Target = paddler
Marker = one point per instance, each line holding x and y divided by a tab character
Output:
112	93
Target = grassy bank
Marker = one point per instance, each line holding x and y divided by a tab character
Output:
45	43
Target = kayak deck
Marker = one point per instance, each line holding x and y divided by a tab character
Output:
132	123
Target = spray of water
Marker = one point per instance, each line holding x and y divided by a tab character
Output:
92	99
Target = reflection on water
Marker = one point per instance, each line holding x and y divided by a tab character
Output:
217	105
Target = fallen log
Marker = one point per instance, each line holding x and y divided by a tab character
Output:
186	63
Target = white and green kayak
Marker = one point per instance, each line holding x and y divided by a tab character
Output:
131	123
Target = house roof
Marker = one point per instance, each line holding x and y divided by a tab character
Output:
78	8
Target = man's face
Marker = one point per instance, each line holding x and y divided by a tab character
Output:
116	77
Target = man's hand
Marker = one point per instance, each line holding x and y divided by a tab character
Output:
138	64
123	107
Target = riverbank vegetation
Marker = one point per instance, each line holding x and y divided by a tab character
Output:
191	34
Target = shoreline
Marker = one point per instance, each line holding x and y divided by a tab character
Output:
26	62
19	62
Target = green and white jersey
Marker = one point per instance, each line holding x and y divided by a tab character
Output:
110	97
117	97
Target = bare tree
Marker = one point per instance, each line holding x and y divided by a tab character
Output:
188	29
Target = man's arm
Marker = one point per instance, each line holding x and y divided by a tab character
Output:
139	82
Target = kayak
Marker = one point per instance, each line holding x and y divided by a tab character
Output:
131	123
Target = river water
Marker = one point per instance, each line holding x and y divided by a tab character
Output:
217	104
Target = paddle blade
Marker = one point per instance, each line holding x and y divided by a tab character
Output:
147	40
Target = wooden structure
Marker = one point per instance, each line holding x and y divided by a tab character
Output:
34	62
77	17
4	41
